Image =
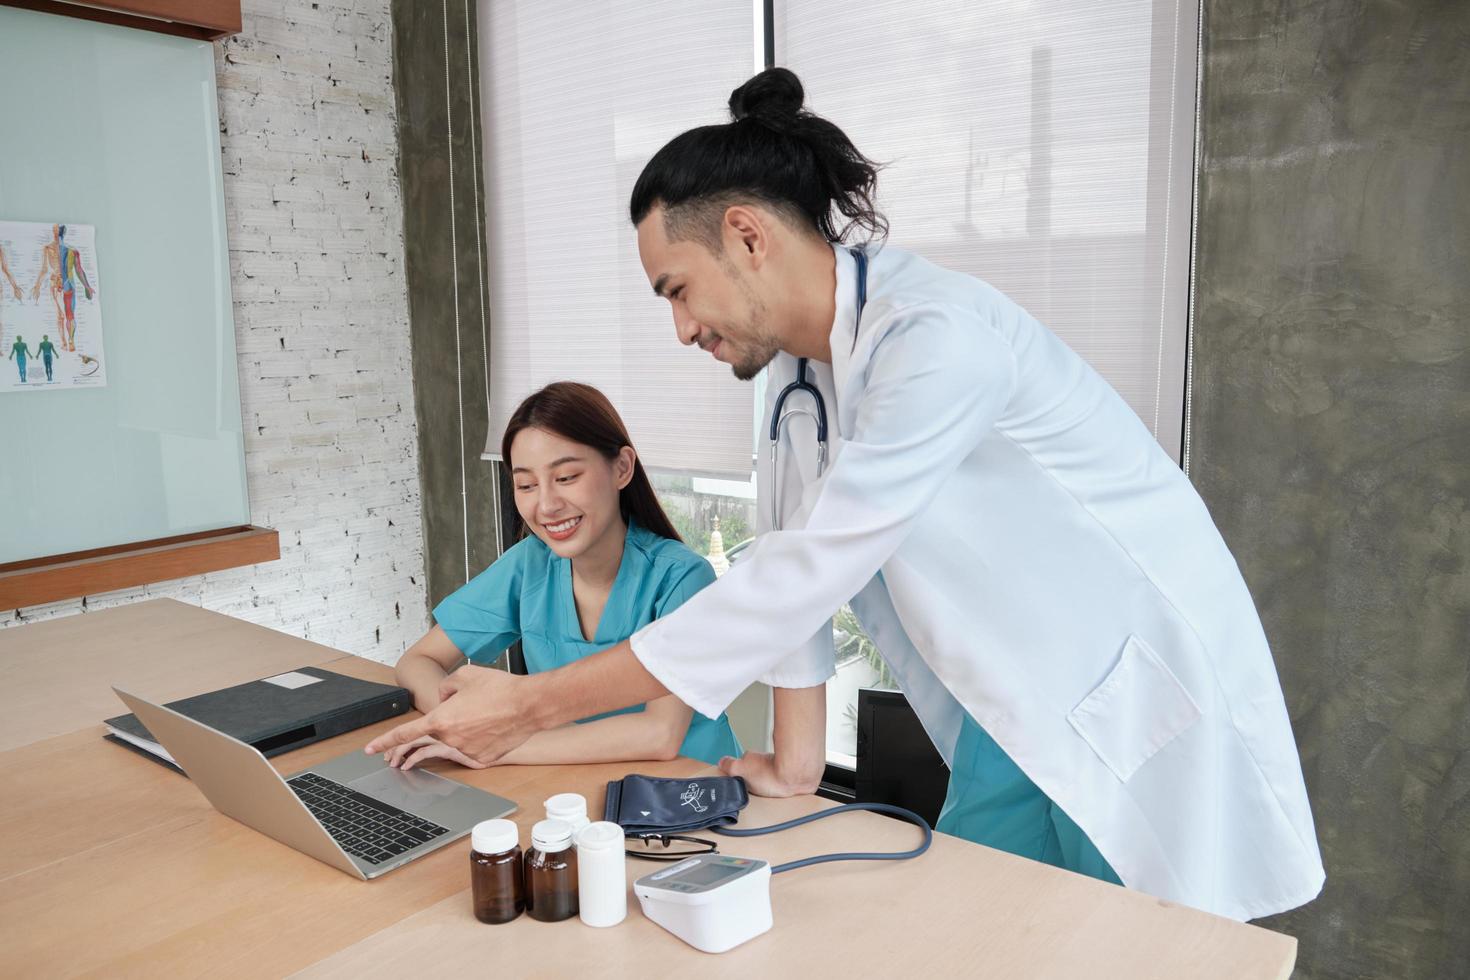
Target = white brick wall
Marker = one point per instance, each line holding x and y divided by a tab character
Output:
321	326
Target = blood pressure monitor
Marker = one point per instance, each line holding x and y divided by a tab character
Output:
713	902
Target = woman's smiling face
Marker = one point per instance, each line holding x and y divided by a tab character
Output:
567	493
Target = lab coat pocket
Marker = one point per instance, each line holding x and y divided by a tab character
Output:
1138	709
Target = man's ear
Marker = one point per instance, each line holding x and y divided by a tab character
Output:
746	234
623	466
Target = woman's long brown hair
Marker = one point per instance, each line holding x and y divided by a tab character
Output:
583	414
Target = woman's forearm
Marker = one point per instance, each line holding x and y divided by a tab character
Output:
425	664
636	737
421	676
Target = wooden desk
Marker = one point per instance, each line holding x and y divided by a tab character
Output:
111	865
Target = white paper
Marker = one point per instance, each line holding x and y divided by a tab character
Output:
142	743
293	680
50	310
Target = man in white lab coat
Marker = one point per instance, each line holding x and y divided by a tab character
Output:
1042	579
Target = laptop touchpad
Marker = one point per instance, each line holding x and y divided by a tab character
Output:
414	791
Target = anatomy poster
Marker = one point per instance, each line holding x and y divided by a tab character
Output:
50	316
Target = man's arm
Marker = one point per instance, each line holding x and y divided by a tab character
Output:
800	743
485	713
937	382
606	681
656	733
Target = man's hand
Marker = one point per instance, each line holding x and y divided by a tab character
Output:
762	775
800	740
480	715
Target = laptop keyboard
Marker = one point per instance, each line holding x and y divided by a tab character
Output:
363	826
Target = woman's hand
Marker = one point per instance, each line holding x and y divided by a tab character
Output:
410	754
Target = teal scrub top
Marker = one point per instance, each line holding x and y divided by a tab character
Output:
527	595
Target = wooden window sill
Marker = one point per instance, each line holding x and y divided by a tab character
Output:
80	573
202	20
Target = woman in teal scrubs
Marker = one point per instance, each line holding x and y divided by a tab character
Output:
601	561
992	802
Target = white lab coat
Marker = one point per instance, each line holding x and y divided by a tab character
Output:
1019	547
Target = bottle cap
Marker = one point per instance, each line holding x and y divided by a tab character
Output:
600	836
494	836
567	806
549	836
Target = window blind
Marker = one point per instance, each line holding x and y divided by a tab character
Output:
575	98
1045	146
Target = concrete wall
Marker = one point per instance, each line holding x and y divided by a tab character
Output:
316	255
436	86
1331	437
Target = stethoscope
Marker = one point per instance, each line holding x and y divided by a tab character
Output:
818	411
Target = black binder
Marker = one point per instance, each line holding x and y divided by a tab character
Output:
275	714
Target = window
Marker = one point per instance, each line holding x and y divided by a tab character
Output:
1044	146
714	517
717	519
1041	145
572	109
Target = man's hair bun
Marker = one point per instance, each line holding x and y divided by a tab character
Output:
774	95
775	152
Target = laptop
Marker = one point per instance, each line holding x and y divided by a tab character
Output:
353	812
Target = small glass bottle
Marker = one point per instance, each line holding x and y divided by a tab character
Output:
496	877
570	808
551	872
602	874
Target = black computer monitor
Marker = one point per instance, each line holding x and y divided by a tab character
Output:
896	762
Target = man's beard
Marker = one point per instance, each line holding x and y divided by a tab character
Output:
749	367
766	348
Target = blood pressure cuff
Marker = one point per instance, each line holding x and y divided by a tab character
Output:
651	805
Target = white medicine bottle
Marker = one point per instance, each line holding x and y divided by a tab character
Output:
570	808
602	880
